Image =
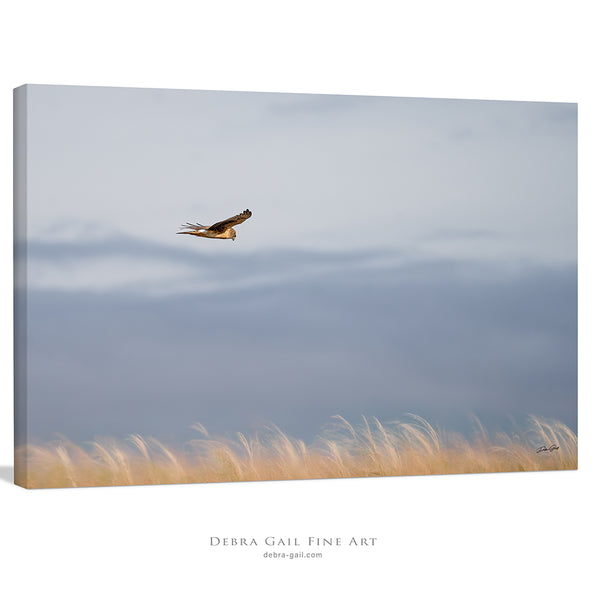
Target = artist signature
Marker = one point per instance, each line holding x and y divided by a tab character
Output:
546	449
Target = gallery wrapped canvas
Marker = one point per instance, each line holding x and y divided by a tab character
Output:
244	286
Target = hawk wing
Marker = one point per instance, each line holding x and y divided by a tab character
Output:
222	226
196	227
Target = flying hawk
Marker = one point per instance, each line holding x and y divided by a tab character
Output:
223	230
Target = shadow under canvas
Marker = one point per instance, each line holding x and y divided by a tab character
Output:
7	473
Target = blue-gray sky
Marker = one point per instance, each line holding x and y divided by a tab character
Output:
404	255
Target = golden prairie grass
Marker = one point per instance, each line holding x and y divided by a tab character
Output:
369	449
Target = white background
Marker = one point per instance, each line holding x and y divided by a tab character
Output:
484	536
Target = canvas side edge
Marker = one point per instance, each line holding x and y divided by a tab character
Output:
20	282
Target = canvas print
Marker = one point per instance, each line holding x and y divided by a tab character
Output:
245	286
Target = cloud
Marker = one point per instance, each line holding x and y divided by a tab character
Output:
146	268
440	340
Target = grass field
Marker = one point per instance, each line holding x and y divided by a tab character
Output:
369	449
